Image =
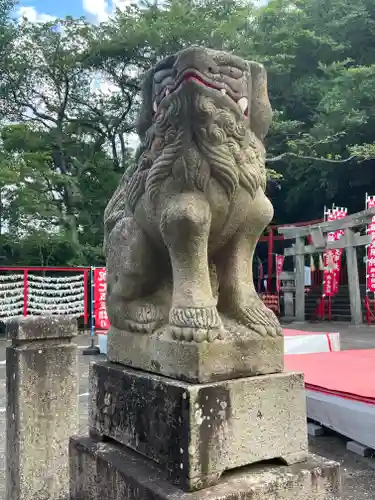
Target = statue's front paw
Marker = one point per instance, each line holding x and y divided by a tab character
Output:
135	316
196	324
256	316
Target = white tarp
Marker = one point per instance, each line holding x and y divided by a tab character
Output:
311	342
102	341
353	419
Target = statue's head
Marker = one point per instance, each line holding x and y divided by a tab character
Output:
203	103
196	76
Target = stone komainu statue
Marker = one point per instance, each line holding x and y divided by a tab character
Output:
182	226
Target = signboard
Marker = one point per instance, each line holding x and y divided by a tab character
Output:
370	261
100	288
332	257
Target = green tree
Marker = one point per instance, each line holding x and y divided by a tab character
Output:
319	57
67	144
8	33
65	147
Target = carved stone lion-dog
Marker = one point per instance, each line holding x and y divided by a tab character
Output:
182	226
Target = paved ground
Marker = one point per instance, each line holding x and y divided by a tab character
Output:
358	473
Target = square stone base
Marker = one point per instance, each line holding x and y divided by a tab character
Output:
243	353
108	471
196	432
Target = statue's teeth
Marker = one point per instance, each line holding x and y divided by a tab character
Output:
223	91
154	106
243	103
167	92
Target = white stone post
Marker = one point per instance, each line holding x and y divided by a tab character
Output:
288	288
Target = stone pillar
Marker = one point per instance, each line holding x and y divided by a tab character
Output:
42	407
353	280
300	279
288	288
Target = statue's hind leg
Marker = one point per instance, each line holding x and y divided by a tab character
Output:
132	275
237	295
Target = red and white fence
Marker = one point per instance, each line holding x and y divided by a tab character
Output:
332	258
331	265
370	266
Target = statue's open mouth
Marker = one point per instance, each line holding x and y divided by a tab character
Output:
200	79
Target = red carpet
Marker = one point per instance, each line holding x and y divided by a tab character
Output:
348	374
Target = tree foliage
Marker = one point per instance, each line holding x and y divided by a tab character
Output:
321	72
69	97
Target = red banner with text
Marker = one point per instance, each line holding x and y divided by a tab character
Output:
333	257
100	288
370	262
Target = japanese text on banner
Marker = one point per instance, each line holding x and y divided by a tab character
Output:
370	263
100	288
333	257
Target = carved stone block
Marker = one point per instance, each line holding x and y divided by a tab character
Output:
242	353
182	225
196	432
106	471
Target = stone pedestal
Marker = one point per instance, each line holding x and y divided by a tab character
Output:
225	437
242	353
198	431
107	471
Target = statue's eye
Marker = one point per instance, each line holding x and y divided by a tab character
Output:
162	74
159	87
168	82
231	71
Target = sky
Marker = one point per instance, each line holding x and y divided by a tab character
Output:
46	10
93	10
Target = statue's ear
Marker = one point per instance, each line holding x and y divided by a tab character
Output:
260	111
145	112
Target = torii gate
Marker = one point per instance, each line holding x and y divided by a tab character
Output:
319	236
